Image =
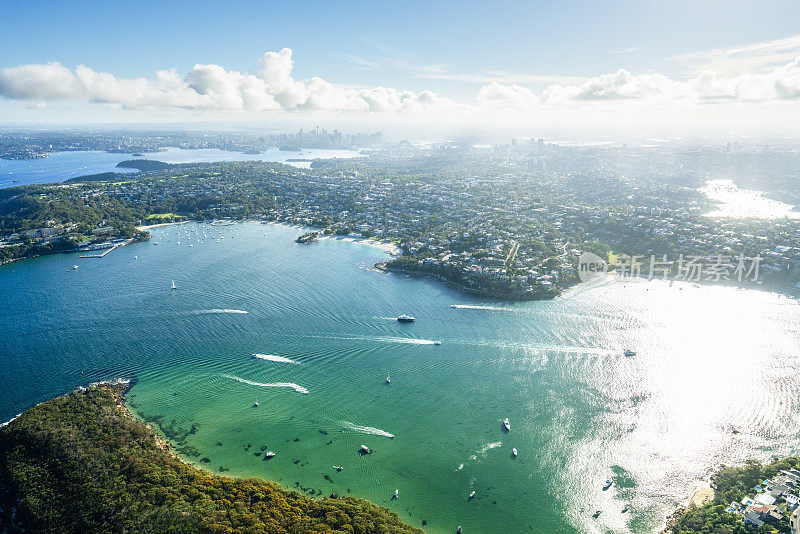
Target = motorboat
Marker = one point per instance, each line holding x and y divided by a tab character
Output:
596	514
269	454
338	467
173	285
437	342
405	318
388	380
625	508
365	450
471	494
74	267
629	353
513	453
255	405
396	493
607	484
506	424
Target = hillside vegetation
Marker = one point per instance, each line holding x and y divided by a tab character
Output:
81	463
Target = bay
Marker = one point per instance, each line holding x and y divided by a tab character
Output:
713	380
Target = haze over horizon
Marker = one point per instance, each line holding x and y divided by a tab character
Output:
628	68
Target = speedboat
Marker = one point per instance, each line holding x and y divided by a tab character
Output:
607	484
338	467
437	342
269	454
471	494
255	405
405	318
506	424
513	453
596	514
396	493
629	353
364	450
74	267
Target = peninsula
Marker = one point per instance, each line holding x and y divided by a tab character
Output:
83	463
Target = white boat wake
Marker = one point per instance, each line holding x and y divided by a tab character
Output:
274	358
408	340
222	311
298	388
366	430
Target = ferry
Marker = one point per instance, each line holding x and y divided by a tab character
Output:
506	424
405	318
629	353
607	484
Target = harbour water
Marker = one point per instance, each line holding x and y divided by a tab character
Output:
62	166
713	380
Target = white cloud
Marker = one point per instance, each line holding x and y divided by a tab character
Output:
738	60
273	88
213	87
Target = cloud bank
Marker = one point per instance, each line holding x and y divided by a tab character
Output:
272	88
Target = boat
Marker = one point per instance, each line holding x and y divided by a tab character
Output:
437	342
513	453
396	493
471	494
607	484
155	242
173	285
338	467
458	531
388	380
596	514
269	454
625	508
255	404
364	450
74	267
405	318
506	424
629	353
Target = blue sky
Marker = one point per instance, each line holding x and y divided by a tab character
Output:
450	48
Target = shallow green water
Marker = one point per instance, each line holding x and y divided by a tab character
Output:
710	360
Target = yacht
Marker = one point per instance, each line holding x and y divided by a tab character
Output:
405	318
629	353
506	424
173	285
513	453
269	454
607	484
471	494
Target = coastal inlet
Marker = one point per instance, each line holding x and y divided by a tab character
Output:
320	337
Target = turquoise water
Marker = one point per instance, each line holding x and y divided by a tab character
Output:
62	166
710	361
